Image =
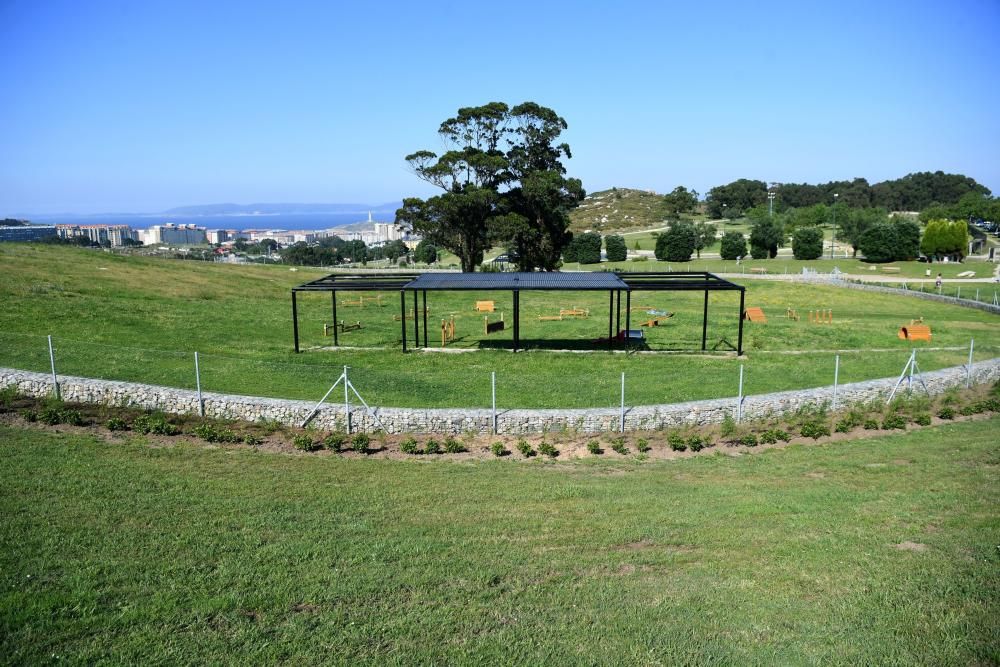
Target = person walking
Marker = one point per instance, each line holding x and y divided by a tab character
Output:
937	283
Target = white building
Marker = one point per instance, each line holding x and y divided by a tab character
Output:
171	234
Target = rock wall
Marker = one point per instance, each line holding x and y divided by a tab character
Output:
457	420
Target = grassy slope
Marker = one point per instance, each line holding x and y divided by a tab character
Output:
129	553
608	210
142	319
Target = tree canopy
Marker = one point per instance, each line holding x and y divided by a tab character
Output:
677	243
765	239
616	248
733	246
807	243
680	200
503	182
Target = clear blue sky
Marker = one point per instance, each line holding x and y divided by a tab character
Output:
142	106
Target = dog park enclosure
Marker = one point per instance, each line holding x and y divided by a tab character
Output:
417	285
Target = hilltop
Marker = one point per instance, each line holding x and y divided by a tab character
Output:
619	209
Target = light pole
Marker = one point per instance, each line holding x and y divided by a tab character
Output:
833	241
770	203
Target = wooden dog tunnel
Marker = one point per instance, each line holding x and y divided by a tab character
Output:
485	307
755	315
492	327
915	331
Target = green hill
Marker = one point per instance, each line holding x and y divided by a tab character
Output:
619	209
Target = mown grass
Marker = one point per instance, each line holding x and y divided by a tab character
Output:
876	551
141	319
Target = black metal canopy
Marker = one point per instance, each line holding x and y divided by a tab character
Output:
613	283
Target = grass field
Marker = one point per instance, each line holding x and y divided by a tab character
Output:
141	319
874	551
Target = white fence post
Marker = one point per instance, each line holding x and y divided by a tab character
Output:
197	379
968	376
836	379
52	361
347	401
739	400
623	404
493	385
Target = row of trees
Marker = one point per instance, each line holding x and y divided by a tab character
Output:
503	183
913	192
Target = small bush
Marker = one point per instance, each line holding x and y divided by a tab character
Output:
676	442
843	426
773	435
729	427
155	424
546	449
989	405
50	416
453	446
594	447
253	439
409	446
335	441
967	410
116	424
618	445
432	446
29	415
212	433
642	445
695	443
498	449
73	418
8	395
815	429
871	425
748	440
947	412
923	419
893	421
360	442
305	443
526	449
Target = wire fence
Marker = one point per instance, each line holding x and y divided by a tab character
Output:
466	380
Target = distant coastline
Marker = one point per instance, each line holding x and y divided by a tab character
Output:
239	221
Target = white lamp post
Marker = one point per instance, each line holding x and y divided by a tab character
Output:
833	241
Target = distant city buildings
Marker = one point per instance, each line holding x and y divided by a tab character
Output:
171	234
113	235
25	233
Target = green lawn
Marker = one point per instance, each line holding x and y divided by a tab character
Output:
142	319
875	551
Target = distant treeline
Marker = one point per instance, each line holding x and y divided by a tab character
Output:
913	192
13	222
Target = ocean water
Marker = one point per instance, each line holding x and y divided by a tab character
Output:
258	221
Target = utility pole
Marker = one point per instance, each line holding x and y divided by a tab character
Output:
833	241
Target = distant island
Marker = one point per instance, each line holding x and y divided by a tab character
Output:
281	209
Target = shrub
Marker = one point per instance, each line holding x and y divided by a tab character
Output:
748	440
695	443
8	395
546	449
594	447
498	449
734	246
946	412
525	448
615	248
453	446
773	435
989	405
253	439
967	410
815	429
871	425
893	421
728	428
155	424
807	243
360	442
642	445
73	418
676	244
844	426
335	441
116	424
29	415
923	419
676	442
50	416
618	444
432	446
305	443
409	446
584	248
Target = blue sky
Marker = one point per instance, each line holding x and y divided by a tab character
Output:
142	106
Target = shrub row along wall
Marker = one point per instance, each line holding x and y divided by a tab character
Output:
426	420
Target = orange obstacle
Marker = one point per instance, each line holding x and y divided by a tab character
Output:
573	312
915	330
655	322
821	316
755	315
491	327
447	331
485	307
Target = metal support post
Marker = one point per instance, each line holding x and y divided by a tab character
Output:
425	317
517	319
836	380
623	404
611	316
402	316
493	387
295	322
336	340
704	324
197	380
52	361
628	316
968	377
739	343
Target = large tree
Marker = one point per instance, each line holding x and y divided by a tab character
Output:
680	200
765	239
503	181
737	196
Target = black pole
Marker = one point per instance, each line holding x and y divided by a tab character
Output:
628	314
704	324
402	315
618	314
739	344
336	340
517	319
425	318
295	322
416	323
